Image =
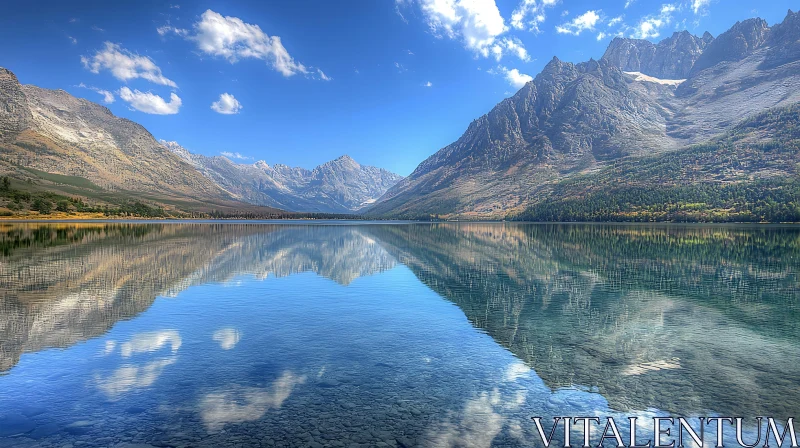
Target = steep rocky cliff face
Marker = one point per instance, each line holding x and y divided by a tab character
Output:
672	58
339	186
733	45
783	42
573	120
14	113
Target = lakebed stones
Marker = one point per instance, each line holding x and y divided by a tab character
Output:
46	430
15	424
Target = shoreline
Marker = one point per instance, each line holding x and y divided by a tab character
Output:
121	220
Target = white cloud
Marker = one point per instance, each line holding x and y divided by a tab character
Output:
512	45
648	27
226	105
400	68
584	22
235	155
615	21
428	84
477	23
97	28
233	39
401	4
72	39
108	97
668	8
517	79
513	76
601	35
125	65
698	6
167	29
531	13
323	76
150	103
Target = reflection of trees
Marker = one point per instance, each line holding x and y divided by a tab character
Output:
64	283
679	318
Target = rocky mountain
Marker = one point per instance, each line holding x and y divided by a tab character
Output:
54	132
672	58
76	148
733	45
577	120
750	174
339	186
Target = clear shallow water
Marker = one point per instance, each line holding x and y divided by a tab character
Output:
374	335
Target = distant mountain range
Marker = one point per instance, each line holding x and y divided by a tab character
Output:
75	147
690	128
338	186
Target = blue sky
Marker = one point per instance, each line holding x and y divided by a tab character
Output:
301	82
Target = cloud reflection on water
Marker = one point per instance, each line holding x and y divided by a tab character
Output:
488	413
151	342
242	404
227	338
131	376
474	427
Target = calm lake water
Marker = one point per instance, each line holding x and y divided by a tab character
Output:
371	335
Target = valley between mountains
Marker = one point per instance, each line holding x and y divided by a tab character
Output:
687	129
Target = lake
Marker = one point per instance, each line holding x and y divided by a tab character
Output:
373	335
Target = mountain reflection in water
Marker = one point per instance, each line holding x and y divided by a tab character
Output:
65	283
683	319
686	320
